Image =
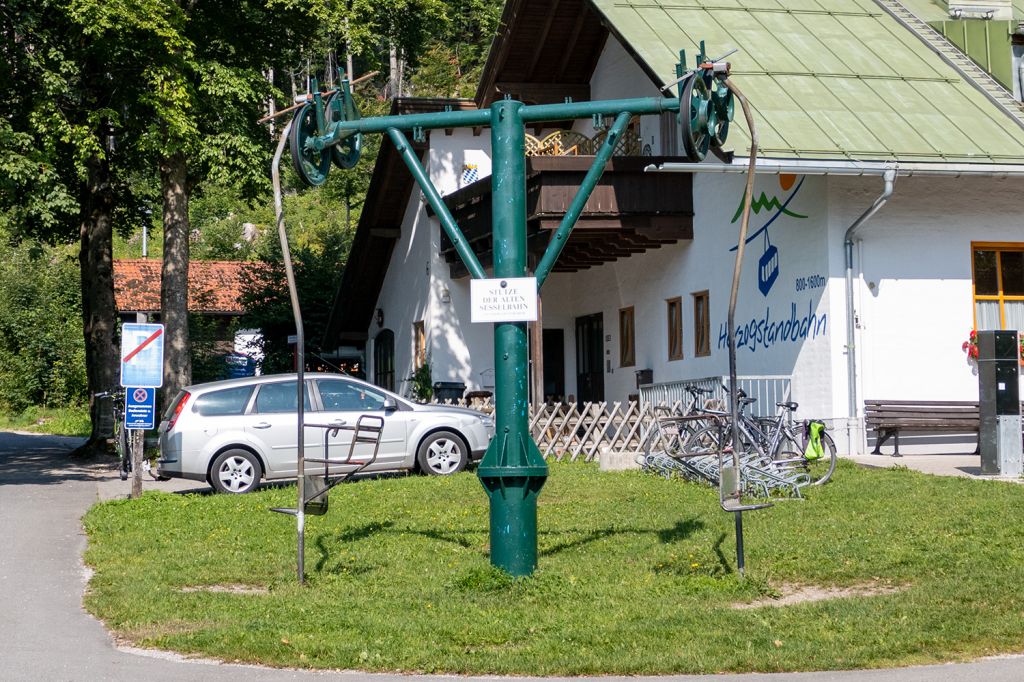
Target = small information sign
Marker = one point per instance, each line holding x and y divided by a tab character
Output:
508	299
139	408
142	355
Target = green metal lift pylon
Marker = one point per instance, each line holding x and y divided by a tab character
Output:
513	471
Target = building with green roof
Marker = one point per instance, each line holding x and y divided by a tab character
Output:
886	219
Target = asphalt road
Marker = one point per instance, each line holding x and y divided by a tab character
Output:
46	635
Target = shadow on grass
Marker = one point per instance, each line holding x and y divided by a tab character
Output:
722	561
461	537
353	535
681	531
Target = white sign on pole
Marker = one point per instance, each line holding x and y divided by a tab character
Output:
142	355
508	299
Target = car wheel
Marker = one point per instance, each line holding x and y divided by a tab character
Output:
235	471
441	454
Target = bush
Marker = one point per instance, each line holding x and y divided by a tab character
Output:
42	351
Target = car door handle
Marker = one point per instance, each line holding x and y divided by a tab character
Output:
261	425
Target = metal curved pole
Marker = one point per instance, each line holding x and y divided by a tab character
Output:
293	293
731	323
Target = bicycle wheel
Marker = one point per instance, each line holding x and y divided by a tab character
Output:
820	470
666	439
704	441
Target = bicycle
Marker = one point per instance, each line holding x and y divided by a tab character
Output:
672	429
770	445
116	429
813	453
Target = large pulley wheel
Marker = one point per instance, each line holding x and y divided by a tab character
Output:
697	118
346	153
312	165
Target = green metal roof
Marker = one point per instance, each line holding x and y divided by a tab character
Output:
831	79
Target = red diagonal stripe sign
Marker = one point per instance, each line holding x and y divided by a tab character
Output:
152	337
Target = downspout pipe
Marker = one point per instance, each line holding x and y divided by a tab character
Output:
889	177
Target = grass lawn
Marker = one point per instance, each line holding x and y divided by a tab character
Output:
59	421
636	576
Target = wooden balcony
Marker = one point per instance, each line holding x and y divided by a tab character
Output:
629	211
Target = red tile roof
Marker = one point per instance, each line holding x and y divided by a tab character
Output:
214	286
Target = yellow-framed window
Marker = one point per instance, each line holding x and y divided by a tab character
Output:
998	282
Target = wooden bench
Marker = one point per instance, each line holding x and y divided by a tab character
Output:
889	417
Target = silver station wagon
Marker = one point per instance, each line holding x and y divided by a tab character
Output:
234	433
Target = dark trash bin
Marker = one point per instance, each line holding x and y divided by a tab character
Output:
448	390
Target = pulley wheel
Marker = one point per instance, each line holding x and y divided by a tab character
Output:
346	153
697	117
725	107
311	165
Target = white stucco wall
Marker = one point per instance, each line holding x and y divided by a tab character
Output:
913	285
782	330
460	350
618	76
418	280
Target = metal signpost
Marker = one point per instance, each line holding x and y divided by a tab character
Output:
327	129
142	363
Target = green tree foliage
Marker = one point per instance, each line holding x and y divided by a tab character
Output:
42	353
269	308
368	28
94	94
453	60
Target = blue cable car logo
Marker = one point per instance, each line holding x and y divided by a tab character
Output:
768	264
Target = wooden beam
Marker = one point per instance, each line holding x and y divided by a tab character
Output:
680	225
545	93
386	232
542	39
570	44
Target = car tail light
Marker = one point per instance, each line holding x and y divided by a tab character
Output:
177	409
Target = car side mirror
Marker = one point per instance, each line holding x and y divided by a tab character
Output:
390	404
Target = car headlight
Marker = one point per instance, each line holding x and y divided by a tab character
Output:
487	420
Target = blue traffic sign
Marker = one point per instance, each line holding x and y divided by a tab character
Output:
142	355
139	407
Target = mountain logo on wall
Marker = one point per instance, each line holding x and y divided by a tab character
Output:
768	264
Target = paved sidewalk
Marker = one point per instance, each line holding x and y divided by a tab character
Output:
45	634
964	466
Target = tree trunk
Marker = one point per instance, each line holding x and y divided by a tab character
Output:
396	64
174	280
99	315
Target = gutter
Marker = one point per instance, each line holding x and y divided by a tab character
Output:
889	177
854	168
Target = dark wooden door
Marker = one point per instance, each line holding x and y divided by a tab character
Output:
589	358
384	360
554	365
